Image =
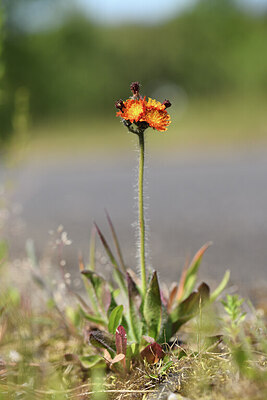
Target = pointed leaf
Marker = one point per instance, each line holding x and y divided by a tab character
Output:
92	249
117	272
181	287
172	297
184	311
115	319
221	286
153	307
204	292
191	274
116	242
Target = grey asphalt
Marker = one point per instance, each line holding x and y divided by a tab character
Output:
192	199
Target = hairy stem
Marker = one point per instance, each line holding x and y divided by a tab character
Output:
141	210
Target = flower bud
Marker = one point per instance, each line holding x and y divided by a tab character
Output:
135	86
167	103
119	104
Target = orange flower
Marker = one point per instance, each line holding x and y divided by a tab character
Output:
132	110
151	103
143	113
157	119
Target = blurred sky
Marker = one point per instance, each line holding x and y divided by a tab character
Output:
39	14
133	10
146	10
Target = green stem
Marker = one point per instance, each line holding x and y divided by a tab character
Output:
141	210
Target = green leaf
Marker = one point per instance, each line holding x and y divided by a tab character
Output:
117	272
221	286
153	307
191	274
91	361
166	327
135	300
101	295
92	249
184	311
115	319
116	242
74	315
93	318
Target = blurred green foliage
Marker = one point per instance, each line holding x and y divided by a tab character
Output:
79	68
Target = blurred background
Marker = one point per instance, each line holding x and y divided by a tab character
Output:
65	157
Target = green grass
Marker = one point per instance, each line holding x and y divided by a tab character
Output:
34	366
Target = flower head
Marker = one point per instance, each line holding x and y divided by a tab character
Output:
132	110
157	119
138	113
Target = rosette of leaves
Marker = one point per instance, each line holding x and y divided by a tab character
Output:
154	317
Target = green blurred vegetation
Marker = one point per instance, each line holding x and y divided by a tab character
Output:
77	69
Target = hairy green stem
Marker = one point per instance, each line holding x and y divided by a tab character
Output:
141	210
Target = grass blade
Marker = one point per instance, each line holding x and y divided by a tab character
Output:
221	286
92	249
118	274
116	242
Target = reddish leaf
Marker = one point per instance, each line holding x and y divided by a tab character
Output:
180	290
152	353
121	340
121	343
172	298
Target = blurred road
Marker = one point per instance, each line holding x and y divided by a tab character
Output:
191	201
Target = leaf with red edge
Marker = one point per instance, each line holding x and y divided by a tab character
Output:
191	273
172	298
121	343
152	353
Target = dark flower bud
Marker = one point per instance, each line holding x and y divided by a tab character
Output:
119	104
167	103
135	86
